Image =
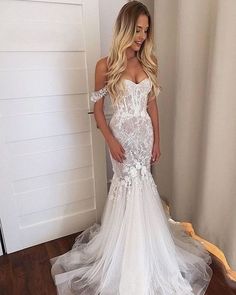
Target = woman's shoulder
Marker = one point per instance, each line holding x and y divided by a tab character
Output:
100	73
101	64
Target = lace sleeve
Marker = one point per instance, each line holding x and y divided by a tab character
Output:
154	96
96	95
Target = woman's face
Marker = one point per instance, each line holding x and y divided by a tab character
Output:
141	32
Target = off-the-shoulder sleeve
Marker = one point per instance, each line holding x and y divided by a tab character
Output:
154	96
96	95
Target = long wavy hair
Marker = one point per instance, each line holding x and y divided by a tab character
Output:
123	36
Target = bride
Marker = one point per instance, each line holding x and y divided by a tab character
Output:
136	250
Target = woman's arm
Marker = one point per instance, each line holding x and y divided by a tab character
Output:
115	147
152	110
100	72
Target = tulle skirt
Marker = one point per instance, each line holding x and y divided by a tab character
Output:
137	250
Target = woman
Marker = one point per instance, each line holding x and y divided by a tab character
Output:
136	250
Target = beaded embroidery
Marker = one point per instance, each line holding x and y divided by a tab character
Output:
96	95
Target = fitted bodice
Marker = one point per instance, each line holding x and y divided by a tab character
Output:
134	100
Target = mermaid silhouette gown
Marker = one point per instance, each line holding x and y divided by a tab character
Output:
136	250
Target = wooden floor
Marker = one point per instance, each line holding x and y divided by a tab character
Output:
27	272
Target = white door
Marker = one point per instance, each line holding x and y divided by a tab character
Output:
52	157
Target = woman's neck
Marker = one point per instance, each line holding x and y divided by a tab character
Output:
130	53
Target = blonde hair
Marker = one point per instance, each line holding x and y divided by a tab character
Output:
123	36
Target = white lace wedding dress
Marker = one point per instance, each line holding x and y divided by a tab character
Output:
136	250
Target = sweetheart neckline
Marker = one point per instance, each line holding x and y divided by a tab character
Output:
137	83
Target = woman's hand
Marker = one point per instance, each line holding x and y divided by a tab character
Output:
116	149
156	153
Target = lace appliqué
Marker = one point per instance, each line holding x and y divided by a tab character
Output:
136	173
96	95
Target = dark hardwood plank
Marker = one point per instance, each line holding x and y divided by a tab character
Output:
6	287
31	271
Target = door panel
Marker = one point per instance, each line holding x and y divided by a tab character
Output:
52	157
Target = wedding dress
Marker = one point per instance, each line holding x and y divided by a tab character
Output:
136	250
